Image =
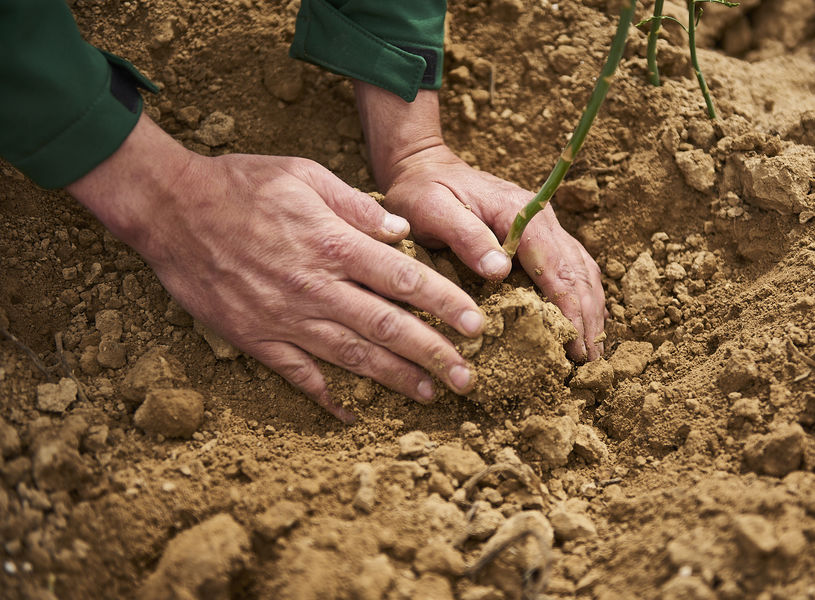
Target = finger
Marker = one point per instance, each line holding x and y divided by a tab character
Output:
356	208
390	273
341	346
558	280
299	369
594	308
388	326
438	213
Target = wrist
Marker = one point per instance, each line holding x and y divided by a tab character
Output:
130	189
396	130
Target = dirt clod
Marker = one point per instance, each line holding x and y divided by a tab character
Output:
173	413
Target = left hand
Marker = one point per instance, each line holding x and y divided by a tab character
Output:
447	202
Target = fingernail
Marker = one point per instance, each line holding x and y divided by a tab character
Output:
425	389
494	263
460	376
395	224
471	321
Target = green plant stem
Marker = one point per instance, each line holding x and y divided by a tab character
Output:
653	35
711	112
569	153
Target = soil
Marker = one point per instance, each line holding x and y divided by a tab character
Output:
678	467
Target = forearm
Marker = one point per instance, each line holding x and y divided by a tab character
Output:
130	189
395	129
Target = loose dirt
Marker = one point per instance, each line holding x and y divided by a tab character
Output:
678	467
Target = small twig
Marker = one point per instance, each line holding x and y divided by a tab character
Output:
501	468
607	482
31	354
67	368
798	354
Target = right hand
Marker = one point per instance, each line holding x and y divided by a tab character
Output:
281	258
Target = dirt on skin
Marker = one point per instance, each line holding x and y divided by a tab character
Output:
678	467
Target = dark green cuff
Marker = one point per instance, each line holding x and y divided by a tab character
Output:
398	46
95	134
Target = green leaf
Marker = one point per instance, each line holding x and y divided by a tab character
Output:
662	18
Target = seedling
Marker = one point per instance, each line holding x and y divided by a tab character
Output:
693	21
541	199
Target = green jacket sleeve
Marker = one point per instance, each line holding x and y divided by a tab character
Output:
64	105
397	45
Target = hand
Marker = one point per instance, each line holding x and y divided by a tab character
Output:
282	259
449	203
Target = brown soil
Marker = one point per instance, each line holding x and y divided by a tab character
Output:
681	467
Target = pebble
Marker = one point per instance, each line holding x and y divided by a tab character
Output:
570	524
156	368
204	557
776	453
597	375
755	534
189	116
109	324
458	463
278	519
365	498
588	445
216	130
468	110
740	371
580	195
640	285
440	484
552	438
414	444
485	521
283	79
675	272
112	354
630	359
698	169
53	397
222	349
614	268
173	413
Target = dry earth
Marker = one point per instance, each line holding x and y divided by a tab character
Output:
680	467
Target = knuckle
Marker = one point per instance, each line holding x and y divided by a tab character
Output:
336	247
386	327
305	283
406	279
354	352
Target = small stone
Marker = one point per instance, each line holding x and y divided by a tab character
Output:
156	368
92	274
468	110
222	349
96	439
109	324
597	375
640	284
53	397
485	522
69	273
414	444
200	562
508	10
698	169
460	74
189	116
112	354
216	130
365	498
458	463
279	519
776	453
588	445
88	361
173	413
630	359
440	484
131	288
755	534
614	268
740	371
570	524
552	438
675	272
439	557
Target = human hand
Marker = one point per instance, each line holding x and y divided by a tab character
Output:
282	259
449	203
